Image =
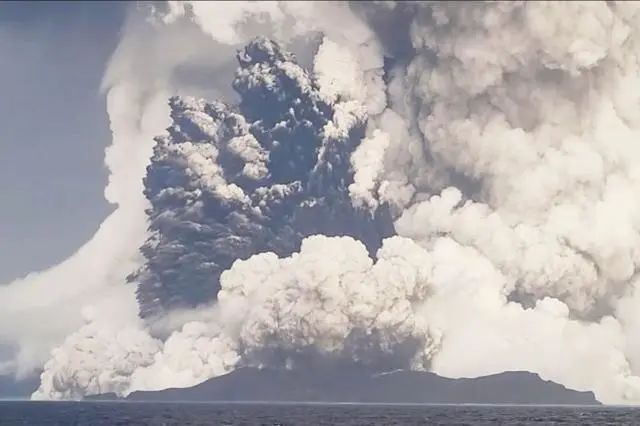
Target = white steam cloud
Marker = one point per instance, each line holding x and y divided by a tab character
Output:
38	311
503	136
540	113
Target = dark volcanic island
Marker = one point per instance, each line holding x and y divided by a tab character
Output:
360	385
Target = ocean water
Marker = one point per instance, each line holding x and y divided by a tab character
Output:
188	414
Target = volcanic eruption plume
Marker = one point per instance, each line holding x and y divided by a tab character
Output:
445	186
227	184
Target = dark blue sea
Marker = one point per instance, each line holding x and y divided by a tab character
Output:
187	414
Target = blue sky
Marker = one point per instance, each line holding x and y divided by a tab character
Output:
53	128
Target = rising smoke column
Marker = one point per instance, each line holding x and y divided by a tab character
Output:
226	182
534	118
68	380
38	311
507	152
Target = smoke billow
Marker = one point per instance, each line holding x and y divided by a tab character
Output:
500	139
227	183
539	112
90	356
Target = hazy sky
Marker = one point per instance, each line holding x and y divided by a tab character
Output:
53	128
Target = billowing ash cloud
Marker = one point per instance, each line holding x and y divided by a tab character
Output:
328	303
227	183
332	298
224	184
537	115
98	358
501	139
529	105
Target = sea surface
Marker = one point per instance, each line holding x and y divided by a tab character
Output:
188	414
